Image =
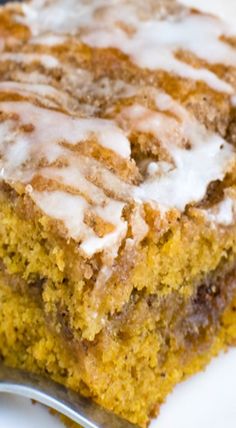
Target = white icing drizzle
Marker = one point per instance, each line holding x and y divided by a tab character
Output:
222	213
165	128
21	156
226	10
53	127
48	61
166	186
206	160
187	181
196	156
48	40
158	168
151	43
111	213
70	209
155	43
40	90
58	16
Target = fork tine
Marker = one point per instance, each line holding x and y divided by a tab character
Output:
74	406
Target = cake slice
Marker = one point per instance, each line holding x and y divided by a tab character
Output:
118	195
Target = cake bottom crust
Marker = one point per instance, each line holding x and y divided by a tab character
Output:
198	329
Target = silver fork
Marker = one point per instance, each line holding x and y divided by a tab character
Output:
55	396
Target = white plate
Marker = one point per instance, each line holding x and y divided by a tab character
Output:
206	400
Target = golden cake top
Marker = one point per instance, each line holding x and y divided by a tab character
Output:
112	109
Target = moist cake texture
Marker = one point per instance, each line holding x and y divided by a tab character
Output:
118	195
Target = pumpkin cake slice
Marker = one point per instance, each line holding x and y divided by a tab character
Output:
118	195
